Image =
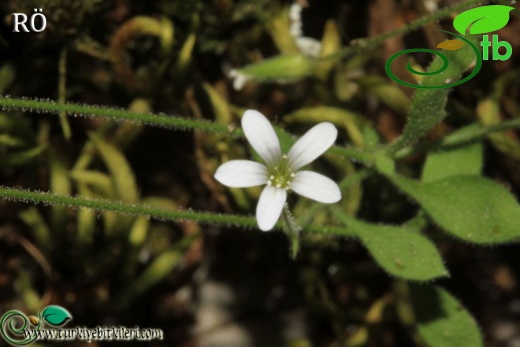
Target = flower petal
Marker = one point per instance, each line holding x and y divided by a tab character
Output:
261	136
241	173
270	207
311	145
316	187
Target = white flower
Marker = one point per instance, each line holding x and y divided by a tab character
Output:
280	172
307	45
240	79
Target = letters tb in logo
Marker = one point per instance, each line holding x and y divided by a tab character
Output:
495	44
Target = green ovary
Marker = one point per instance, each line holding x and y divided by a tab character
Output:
280	175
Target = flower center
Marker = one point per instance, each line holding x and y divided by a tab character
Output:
281	174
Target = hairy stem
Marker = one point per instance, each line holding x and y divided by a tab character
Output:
172	122
47	106
362	45
207	218
292	229
471	133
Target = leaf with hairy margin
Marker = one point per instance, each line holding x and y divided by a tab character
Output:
473	208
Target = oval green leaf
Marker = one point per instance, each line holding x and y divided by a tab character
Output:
402	252
483	19
473	208
466	160
441	319
56	315
283	67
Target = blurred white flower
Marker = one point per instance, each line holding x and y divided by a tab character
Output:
295	15
307	45
239	79
282	68
281	172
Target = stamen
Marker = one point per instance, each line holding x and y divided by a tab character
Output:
281	174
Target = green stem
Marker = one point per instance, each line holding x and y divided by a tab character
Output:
470	133
207	218
354	153
47	106
362	45
120	207
172	122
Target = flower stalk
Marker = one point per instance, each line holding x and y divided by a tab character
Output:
292	229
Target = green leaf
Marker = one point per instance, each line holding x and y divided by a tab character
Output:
473	208
186	53
59	184
11	141
158	269
330	44
280	68
441	319
26	290
7	76
389	94
98	182
21	157
467	160
56	315
122	174
384	163
139	231
86	218
17	127
402	252
220	104
32	217
286	142
483	19
488	112
278	26
351	121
